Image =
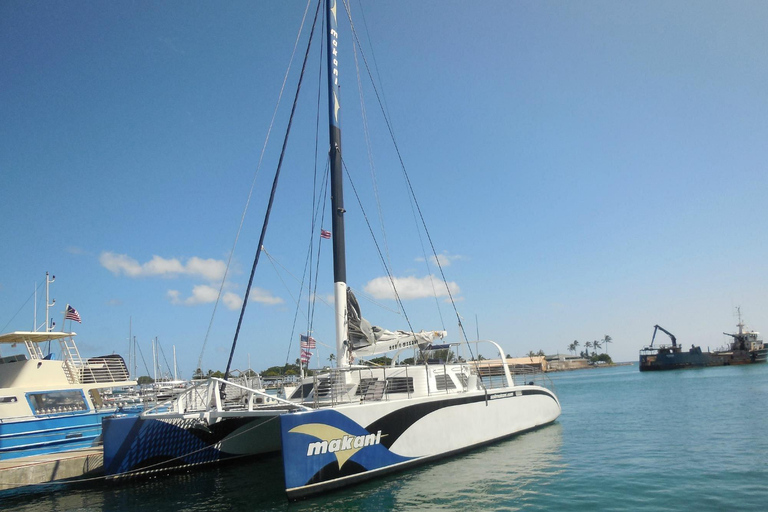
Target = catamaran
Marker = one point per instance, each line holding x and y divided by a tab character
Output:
348	423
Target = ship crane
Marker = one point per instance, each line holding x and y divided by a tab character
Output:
739	340
659	328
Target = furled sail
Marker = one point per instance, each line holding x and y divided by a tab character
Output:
365	339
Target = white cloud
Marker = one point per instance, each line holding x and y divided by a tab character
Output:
201	294
174	296
204	294
263	296
446	259
209	269
409	287
232	300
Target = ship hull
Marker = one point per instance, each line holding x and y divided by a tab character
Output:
698	359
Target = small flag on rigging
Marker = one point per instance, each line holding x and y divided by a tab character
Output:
72	314
325	234
308	342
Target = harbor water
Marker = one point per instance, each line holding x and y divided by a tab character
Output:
655	441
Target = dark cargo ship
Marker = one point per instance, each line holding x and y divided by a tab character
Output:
746	348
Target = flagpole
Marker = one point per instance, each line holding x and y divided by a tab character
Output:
64	320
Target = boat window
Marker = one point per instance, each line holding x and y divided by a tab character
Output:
56	402
444	382
8	399
364	384
302	391
463	379
13	358
400	385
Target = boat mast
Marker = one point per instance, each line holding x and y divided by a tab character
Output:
48	303
337	196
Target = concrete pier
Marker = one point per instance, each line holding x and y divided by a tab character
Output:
55	467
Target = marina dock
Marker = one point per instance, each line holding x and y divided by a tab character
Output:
54	467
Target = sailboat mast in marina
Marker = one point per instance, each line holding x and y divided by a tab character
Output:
337	187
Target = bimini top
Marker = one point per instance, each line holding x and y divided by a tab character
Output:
33	336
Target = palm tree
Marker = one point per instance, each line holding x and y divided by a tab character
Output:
575	346
588	345
607	339
332	358
572	348
596	344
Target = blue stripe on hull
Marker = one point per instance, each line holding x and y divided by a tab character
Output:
49	435
325	445
136	445
133	443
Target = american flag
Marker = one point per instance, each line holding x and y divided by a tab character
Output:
325	234
305	355
72	314
308	342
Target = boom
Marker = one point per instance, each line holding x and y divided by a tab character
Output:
671	336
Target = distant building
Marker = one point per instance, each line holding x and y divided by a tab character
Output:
562	362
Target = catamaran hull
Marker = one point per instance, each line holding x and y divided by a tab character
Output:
331	448
139	445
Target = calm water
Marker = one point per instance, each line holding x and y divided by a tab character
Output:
680	440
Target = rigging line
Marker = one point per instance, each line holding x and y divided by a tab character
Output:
316	202
378	249
410	186
365	123
296	301
373	55
274	261
146	368
253	182
362	294
22	307
164	358
325	187
312	302
369	146
271	197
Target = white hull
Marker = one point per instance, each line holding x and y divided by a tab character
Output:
319	449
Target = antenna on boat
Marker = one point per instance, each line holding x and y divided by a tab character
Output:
740	325
337	189
48	304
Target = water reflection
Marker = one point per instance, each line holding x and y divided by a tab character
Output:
502	476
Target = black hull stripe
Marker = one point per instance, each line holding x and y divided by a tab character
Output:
397	422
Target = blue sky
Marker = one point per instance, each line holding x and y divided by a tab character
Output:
585	168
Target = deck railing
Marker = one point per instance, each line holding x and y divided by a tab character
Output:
99	370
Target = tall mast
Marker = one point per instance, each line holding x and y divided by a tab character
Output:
337	196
